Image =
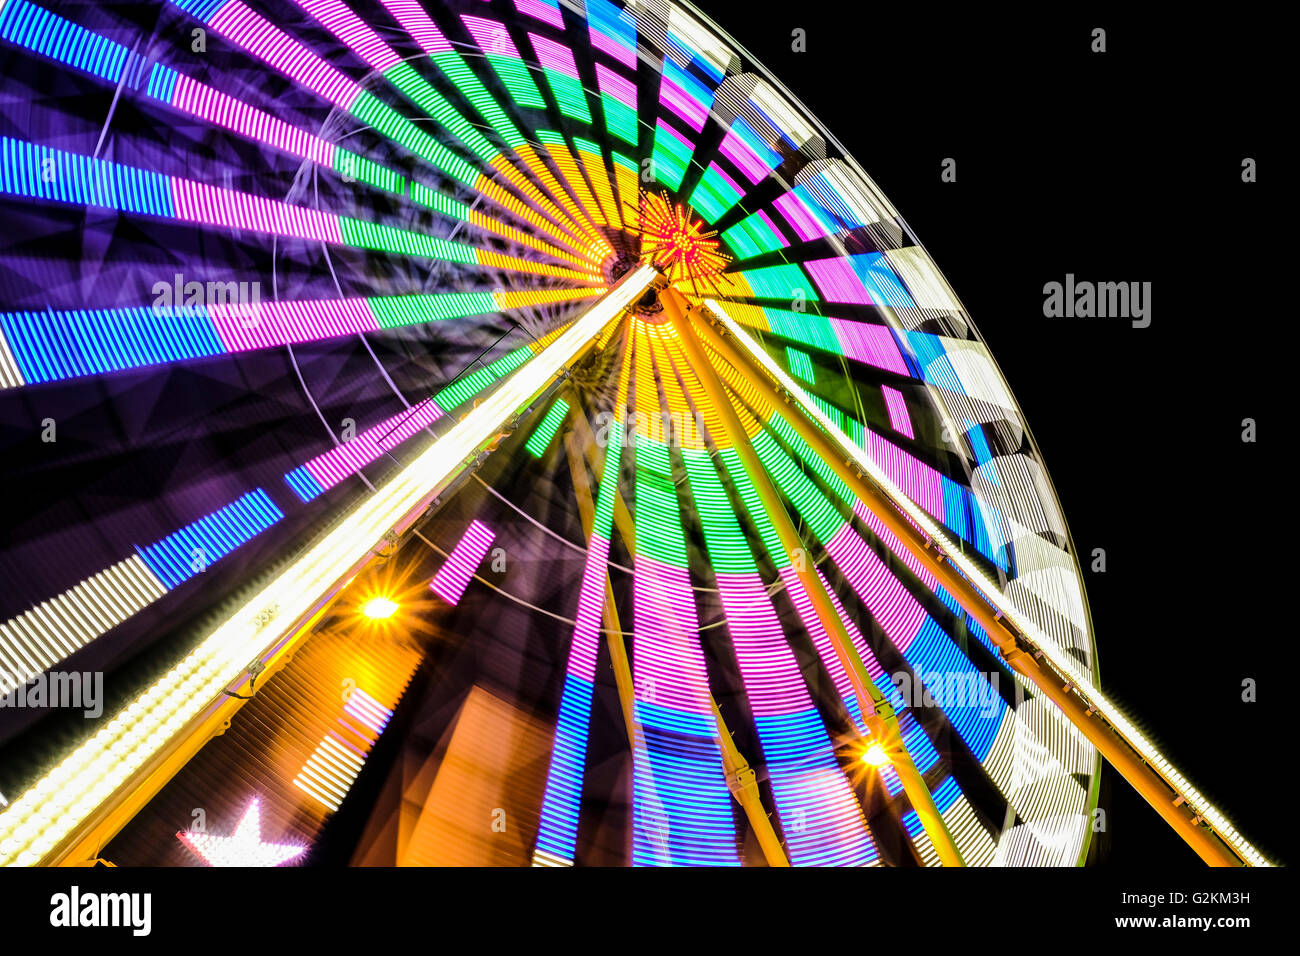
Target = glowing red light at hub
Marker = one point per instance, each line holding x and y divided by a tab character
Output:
674	241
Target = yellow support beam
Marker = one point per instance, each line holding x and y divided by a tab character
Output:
876	710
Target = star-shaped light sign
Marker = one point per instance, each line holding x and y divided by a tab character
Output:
244	847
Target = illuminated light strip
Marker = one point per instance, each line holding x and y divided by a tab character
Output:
800	364
187	552
682	805
522	299
50	632
613	31
497	194
489	223
328	774
618	99
780	282
943	498
327	469
362	40
37	639
627	176
869	344
51	35
410	14
863	280
562	74
568	167
368	710
54	346
895	404
281	52
218	108
355	34
685	96
548	11
543	172
415	21
215	206
594	163
557	831
672	155
494	40
330	771
972	839
755	235
715	193
10	377
348	458
747	152
1055	656
540	439
453	577
802	219
63	799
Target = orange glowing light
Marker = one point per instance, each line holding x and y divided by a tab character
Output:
676	242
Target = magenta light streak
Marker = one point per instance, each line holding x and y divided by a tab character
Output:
891	542
410	14
914	478
743	158
897	408
668	659
591	606
838	282
199	202
898	613
268	324
541	11
612	84
871	344
279	50
612	47
218	108
554	56
771	674
450	581
491	36
349	28
801	219
692	112
351	456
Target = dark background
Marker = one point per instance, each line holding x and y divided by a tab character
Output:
1119	166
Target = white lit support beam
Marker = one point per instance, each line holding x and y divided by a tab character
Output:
132	755
1022	645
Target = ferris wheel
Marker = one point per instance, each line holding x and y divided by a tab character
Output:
571	307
